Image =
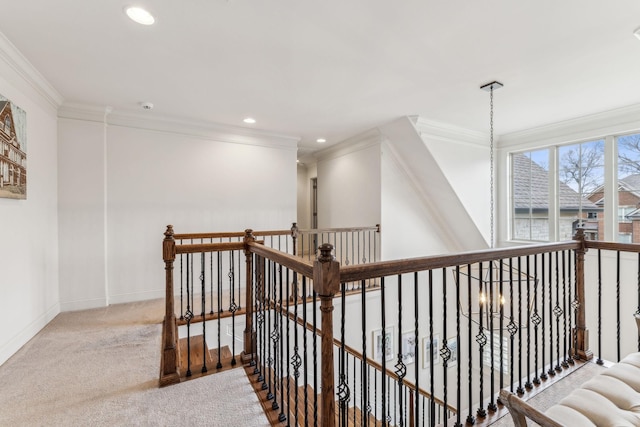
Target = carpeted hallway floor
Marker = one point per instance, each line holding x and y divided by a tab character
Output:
100	368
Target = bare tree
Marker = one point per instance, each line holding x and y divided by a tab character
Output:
577	167
629	154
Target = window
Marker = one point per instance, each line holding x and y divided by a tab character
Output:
578	190
530	195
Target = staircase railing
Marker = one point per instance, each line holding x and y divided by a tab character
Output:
461	327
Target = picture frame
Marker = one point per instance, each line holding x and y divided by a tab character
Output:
13	150
408	347
429	346
452	343
383	346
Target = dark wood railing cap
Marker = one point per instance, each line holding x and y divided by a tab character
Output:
168	235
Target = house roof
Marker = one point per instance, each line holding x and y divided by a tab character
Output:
533	189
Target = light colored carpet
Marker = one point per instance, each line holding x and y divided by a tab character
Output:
100	368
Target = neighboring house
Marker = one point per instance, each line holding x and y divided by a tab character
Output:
531	204
13	160
628	208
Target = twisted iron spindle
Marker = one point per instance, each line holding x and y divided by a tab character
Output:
343	388
618	304
188	315
203	302
520	388
528	385
543	374
558	312
470	418
481	339
565	363
511	326
492	404
551	371
535	319
445	352
401	369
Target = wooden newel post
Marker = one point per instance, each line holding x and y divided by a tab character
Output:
326	283
249	332
581	340
169	357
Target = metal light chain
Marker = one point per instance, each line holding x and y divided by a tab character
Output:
491	167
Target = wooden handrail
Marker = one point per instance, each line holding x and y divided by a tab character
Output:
612	246
338	230
292	262
353	273
229	234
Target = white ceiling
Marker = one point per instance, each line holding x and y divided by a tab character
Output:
335	68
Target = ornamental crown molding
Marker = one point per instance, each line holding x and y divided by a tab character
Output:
446	132
177	125
611	122
358	142
27	73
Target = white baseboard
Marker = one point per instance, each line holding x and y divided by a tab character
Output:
22	337
84	304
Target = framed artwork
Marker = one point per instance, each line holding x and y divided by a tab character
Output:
430	347
409	347
383	347
13	150
452	343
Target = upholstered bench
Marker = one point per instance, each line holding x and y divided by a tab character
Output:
611	398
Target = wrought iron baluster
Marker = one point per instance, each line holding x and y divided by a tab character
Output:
543	374
219	364
416	349
481	339
445	351
233	308
315	359
401	369
501	322
304	353
638	290
288	320
520	388
551	371
492	405
363	364
188	315
281	417
432	388
268	344
458	352
203	301
211	282
557	311
511	326
565	362
600	361
181	288
528	385
572	304
618	305
535	319
343	387
470	418
383	361
296	361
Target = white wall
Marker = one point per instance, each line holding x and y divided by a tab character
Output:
29	253
349	183
81	198
195	179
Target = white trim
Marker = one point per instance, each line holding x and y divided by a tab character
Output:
613	122
193	128
136	296
83	304
449	133
359	142
28	73
28	332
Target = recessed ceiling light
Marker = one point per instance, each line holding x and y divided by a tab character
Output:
140	15
321	140
249	120
637	33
